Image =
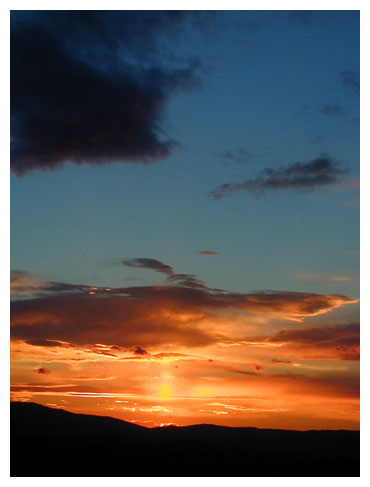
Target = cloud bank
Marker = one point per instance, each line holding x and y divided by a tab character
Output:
145	316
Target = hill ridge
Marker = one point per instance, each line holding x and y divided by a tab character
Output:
55	442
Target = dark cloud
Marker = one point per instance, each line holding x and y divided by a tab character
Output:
153	264
90	86
209	252
326	385
187	280
334	111
298	176
80	320
42	370
258	368
238	155
39	342
351	81
319	334
278	361
304	17
139	350
338	342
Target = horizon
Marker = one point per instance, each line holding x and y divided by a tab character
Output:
185	216
167	425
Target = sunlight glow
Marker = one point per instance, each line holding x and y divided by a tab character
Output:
165	392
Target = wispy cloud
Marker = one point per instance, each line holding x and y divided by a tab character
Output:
188	280
24	284
334	111
237	155
301	177
351	81
146	263
209	253
304	17
313	276
21	281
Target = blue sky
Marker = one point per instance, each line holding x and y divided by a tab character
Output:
267	78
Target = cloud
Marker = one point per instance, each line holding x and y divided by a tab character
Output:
319	334
209	252
278	361
42	370
151	316
90	86
335	110
21	281
326	342
124	322
313	276
308	386
39	342
139	350
351	81
301	177
24	285
238	155
162	357
153	264
187	280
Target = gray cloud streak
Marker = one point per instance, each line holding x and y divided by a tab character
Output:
300	177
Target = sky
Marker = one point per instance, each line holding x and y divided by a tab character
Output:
185	215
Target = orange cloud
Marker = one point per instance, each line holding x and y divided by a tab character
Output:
209	253
167	350
153	315
340	342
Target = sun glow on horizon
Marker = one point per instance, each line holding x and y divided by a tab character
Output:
165	392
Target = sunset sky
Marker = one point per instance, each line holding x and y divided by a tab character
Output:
185	216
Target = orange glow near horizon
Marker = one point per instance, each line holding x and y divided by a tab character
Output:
170	355
165	392
192	390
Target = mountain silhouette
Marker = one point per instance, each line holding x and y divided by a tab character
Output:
53	442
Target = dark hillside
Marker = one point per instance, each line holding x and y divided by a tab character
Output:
53	442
